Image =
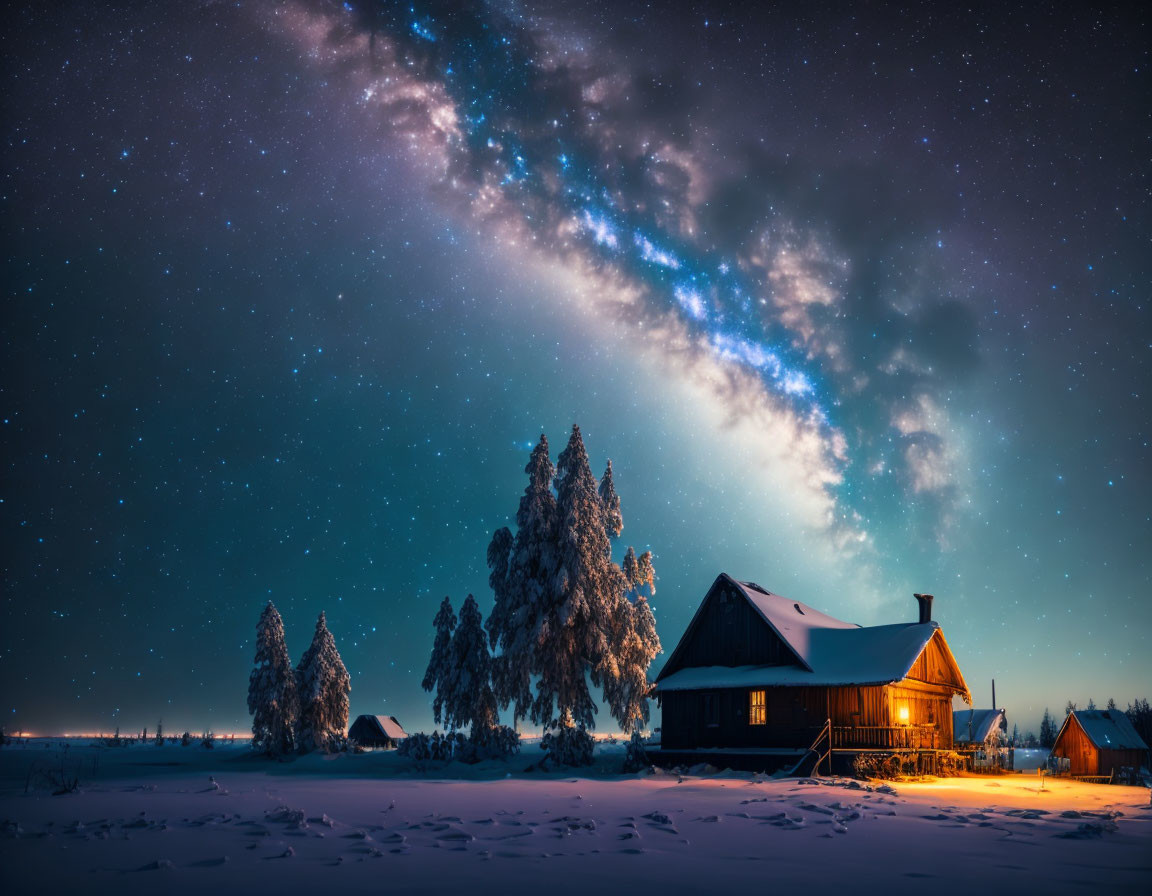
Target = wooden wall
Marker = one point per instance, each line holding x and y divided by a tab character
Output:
1085	759
719	718
935	665
729	632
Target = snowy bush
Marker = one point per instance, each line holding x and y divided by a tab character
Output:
889	766
495	742
423	747
567	745
414	746
635	756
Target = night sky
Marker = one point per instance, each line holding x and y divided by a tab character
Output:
858	305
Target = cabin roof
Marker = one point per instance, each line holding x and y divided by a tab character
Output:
387	726
1108	729
831	652
982	721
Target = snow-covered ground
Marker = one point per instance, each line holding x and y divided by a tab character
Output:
184	819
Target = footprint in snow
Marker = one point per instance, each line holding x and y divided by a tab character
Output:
158	865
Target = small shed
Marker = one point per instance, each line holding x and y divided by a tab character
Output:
975	727
1098	743
982	734
377	731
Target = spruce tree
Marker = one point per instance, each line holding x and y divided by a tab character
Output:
438	676
610	502
470	701
579	626
565	613
1047	730
522	581
323	686
272	698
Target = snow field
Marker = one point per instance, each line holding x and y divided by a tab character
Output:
186	820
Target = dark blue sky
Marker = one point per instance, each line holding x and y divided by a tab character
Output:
857	305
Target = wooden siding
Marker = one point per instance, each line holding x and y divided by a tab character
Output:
864	716
1085	759
728	631
935	665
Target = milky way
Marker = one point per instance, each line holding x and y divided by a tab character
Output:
532	133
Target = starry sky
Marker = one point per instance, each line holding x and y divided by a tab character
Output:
856	302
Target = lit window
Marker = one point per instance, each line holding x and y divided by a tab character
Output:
757	712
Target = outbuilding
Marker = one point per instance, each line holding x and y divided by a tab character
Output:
1099	743
377	731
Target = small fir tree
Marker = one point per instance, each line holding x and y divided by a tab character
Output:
438	676
1047	730
272	698
323	685
470	701
610	501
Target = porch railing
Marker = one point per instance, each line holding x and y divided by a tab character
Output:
890	737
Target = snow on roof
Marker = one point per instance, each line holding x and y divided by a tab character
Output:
831	651
388	726
793	621
391	727
973	726
1109	729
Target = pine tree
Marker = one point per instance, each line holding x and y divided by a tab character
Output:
1070	708
565	613
1047	730
522	581
610	501
438	676
1091	704
323	686
1111	704
272	698
577	634
470	701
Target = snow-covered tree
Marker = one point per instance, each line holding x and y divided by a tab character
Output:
469	701
522	581
565	613
610	501
638	571
438	676
272	698
323	686
1091	704
577	635
1111	703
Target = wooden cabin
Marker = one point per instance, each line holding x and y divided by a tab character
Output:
758	672
1099	743
377	731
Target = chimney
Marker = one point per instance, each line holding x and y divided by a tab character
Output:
925	602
